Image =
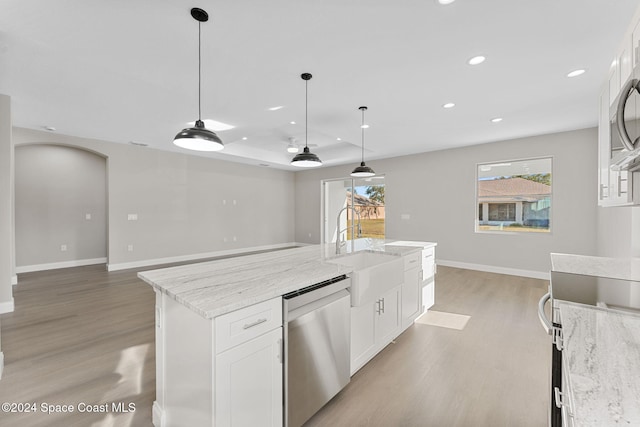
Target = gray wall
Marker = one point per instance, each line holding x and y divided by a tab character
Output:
180	201
437	190
6	206
56	187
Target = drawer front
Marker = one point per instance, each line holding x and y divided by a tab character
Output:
412	261
247	323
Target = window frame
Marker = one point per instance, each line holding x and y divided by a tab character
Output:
515	230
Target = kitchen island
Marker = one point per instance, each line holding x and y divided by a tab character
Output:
219	340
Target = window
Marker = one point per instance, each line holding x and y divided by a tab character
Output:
514	196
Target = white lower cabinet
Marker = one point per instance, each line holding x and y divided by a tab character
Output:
411	296
373	326
222	372
248	383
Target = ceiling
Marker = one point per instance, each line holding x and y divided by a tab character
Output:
126	71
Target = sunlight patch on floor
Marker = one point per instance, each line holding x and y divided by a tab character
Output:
444	320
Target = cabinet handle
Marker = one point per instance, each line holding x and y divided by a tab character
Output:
378	307
382	309
413	261
280	350
602	188
620	192
256	323
557	394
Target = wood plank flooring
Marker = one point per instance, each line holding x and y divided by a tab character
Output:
87	335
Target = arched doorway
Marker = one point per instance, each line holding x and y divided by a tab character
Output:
60	207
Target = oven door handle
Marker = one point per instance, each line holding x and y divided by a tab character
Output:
620	125
546	323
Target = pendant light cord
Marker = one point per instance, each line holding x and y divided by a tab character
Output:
199	73
362	127
306	113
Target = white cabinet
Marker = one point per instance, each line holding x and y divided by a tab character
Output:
225	371
248	383
373	326
411	296
604	148
411	306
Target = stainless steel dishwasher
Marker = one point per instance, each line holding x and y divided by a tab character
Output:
317	343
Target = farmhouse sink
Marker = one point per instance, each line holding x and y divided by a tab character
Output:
373	274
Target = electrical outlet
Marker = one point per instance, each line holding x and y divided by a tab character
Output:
224	239
309	234
87	216
63	248
130	248
224	202
132	217
405	216
235	202
235	239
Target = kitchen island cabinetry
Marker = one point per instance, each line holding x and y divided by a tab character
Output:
373	326
209	371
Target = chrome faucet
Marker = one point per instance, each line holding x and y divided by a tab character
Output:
339	242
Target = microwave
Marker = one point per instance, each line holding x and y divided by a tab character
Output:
624	120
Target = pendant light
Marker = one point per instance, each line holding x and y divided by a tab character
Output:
198	138
363	170
306	159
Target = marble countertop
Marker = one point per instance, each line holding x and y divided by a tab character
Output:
613	268
216	287
601	358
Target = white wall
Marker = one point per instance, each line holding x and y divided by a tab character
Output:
6	206
56	188
437	190
178	199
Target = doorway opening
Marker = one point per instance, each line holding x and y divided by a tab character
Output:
352	209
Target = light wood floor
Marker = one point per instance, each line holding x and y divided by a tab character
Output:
86	335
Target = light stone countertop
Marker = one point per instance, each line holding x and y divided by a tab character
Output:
601	358
613	268
217	287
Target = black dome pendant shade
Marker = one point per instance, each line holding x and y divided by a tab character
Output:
306	159
363	170
198	137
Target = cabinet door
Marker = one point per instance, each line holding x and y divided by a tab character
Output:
248	383
363	336
604	149
411	306
388	318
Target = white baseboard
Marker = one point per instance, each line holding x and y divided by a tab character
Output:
7	306
157	415
1	364
14	279
194	257
495	269
64	264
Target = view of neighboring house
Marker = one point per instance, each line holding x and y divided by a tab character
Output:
514	200
366	207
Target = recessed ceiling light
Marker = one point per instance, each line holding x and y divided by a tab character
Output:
365	126
338	139
476	60
49	128
214	125
575	73
292	149
244	138
293	123
446	1
496	120
449	105
279	107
